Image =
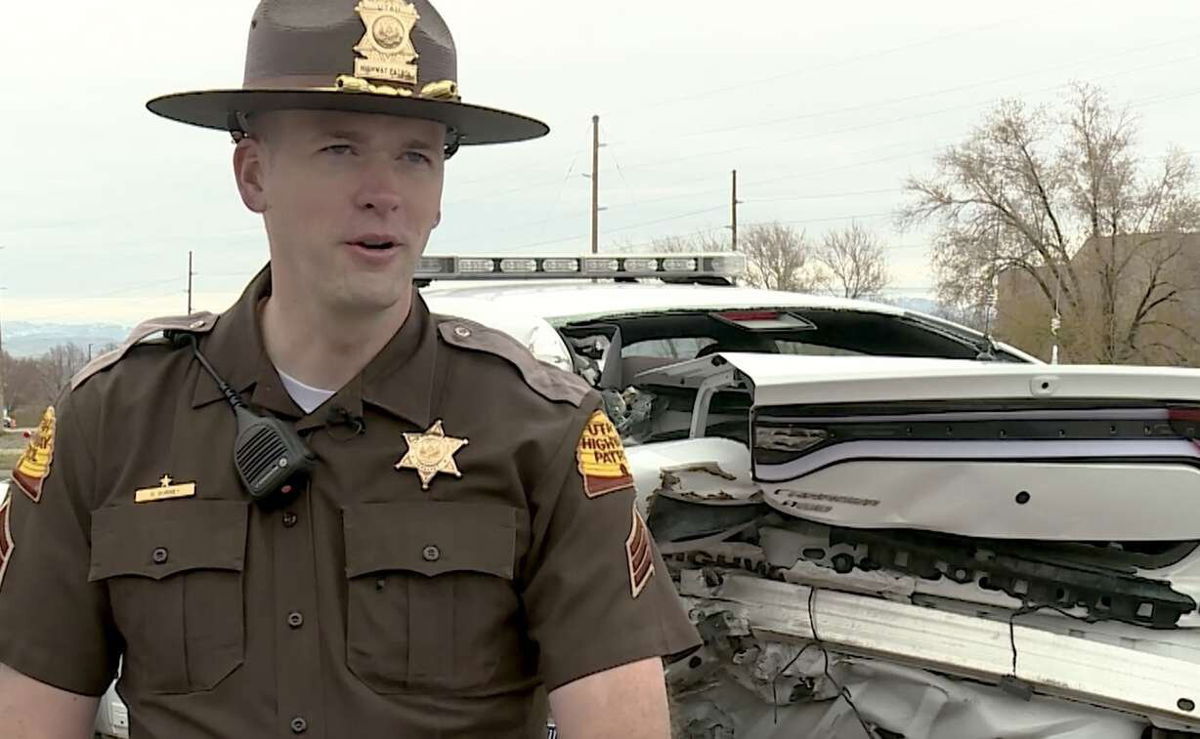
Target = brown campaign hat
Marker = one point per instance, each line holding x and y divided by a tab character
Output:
368	56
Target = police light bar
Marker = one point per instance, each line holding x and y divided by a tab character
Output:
671	267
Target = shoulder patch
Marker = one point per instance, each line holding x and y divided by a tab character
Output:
196	323
601	458
34	464
549	382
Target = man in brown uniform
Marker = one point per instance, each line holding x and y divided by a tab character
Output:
465	543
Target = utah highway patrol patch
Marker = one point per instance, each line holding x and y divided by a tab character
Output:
640	555
601	458
34	464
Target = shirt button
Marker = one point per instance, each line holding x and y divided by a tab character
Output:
431	553
289	519
462	332
295	619
159	555
299	725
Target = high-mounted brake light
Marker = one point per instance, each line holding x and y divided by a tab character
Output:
765	320
750	315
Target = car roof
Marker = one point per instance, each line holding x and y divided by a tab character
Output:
525	309
567	301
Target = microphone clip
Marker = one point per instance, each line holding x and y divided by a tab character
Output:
339	416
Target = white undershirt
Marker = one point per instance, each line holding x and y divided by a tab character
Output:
306	396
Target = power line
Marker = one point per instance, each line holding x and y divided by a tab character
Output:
541	225
621	228
809	70
881	123
791	176
1141	48
620	172
821	196
891	121
1156	99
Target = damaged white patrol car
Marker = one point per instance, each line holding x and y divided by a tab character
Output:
885	525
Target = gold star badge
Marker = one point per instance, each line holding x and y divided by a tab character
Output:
430	453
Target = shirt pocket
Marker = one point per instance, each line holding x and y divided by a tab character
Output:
174	577
430	597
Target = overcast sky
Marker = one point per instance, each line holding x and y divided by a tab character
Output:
823	108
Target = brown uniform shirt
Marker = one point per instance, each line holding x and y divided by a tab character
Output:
368	606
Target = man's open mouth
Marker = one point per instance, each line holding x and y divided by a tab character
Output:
374	245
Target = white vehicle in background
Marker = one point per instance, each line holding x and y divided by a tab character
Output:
885	525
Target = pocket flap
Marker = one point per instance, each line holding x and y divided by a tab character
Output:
156	540
430	538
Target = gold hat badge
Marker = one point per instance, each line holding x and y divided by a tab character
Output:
387	48
430	453
387	54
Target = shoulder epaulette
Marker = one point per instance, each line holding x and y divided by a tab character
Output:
546	380
196	323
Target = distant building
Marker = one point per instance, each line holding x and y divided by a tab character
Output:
1139	298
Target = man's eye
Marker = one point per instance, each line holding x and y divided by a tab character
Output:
338	149
417	157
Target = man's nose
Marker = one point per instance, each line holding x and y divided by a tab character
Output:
380	188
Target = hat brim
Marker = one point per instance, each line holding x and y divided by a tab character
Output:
475	124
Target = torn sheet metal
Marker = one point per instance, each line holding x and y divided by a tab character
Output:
708	483
1163	689
712	471
801	700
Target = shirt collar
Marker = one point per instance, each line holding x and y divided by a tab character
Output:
400	379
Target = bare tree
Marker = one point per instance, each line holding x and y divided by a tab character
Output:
1059	200
58	366
854	262
702	242
779	257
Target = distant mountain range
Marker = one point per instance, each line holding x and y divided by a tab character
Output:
22	339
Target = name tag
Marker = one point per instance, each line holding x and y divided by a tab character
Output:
166	491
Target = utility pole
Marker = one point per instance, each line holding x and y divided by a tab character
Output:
190	273
595	184
733	207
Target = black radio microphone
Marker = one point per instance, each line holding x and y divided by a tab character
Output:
270	457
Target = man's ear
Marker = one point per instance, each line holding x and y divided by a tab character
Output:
248	172
437	220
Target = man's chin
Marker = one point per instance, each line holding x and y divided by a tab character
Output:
370	303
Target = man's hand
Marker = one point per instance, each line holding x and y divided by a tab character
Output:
629	701
33	710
